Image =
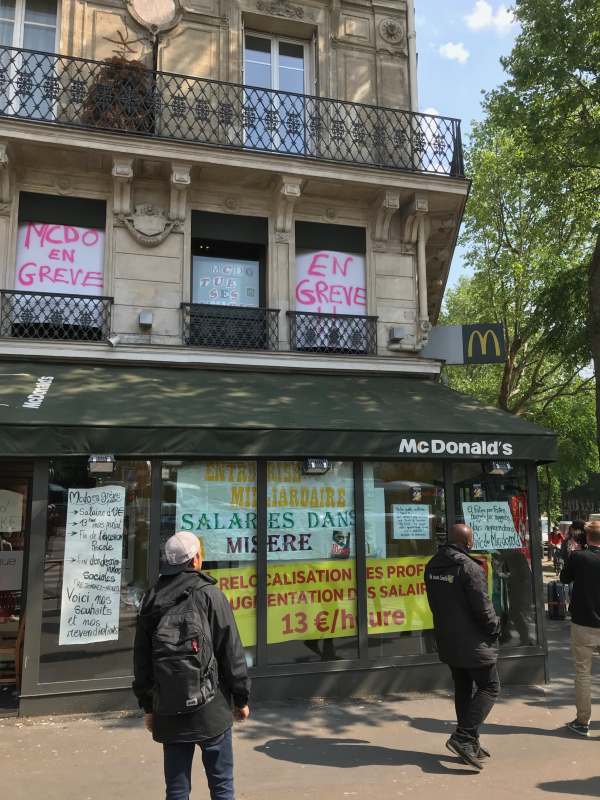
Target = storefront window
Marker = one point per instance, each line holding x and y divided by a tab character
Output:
95	569
311	571
495	506
216	500
405	518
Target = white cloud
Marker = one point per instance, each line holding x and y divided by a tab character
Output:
455	52
431	110
483	16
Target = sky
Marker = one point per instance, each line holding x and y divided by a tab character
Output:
459	45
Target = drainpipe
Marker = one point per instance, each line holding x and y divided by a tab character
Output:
412	55
424	325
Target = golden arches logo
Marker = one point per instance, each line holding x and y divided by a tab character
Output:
483	343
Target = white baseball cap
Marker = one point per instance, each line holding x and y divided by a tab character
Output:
180	549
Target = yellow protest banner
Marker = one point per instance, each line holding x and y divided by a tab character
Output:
317	599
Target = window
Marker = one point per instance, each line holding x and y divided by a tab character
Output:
276	69
311	563
495	506
95	569
330	291
404	518
59	272
29	24
216	500
228	284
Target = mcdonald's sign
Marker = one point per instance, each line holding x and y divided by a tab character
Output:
483	343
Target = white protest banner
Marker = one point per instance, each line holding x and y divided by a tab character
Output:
308	516
61	259
493	525
225	281
330	282
11	511
91	588
411	521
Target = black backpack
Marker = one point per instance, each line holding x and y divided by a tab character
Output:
183	661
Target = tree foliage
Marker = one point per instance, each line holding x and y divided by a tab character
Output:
551	104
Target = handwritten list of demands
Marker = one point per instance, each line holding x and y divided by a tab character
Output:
493	526
92	565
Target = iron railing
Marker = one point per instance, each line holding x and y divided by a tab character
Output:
40	315
231	327
125	97
332	333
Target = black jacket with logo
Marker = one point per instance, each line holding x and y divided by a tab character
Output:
215	717
582	569
466	625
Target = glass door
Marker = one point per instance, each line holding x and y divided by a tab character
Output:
14	497
276	74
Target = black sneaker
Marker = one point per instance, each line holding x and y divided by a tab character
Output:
578	728
466	751
483	753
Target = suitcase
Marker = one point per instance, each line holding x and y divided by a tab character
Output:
558	598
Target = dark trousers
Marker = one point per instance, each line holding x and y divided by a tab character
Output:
217	757
475	692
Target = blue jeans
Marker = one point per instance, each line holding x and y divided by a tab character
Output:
217	757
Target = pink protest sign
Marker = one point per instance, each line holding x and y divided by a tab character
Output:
61	259
330	282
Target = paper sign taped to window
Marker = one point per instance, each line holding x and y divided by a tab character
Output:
493	525
410	521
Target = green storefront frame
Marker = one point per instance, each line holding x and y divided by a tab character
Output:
83	411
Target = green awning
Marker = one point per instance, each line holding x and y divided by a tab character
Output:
51	409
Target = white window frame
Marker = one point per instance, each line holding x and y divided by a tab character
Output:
275	41
19	24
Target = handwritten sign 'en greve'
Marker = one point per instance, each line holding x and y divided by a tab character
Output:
330	282
61	259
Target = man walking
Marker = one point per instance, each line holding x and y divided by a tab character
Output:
582	569
189	666
466	630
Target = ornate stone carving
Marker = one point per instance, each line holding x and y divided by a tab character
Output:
122	172
156	16
4	174
280	8
286	194
232	204
181	180
391	31
148	225
388	203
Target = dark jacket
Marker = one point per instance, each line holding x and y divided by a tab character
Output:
582	569
215	717
466	625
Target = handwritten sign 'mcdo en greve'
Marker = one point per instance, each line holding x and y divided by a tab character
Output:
493	526
92	565
61	259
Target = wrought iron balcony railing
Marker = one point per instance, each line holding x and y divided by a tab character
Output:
231	327
333	333
37	315
125	97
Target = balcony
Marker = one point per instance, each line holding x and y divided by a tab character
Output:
69	318
123	97
333	333
233	328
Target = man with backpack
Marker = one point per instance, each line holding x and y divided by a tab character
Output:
189	666
582	569
466	630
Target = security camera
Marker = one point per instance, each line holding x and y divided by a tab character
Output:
114	340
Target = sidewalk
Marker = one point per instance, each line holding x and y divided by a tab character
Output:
326	751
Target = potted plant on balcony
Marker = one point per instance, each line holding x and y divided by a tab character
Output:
122	93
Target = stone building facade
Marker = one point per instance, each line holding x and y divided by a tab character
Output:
213	146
